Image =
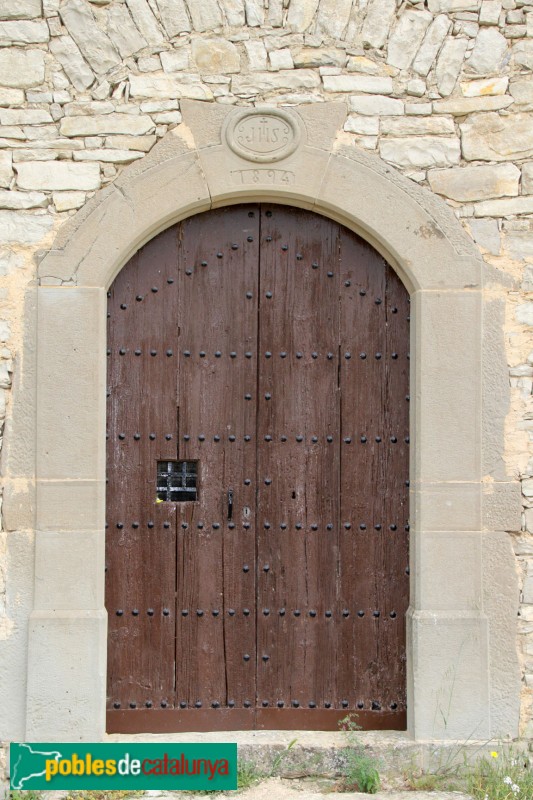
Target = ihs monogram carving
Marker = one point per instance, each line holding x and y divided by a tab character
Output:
262	135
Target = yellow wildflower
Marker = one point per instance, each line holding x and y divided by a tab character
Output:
494	754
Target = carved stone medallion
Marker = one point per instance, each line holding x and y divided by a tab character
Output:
262	135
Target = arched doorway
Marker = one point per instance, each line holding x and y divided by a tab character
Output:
257	506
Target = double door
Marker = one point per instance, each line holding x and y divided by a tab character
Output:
257	515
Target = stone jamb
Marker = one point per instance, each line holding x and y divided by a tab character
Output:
454	643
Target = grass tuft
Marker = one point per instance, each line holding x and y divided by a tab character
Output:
501	776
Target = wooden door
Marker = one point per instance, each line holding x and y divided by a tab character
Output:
257	531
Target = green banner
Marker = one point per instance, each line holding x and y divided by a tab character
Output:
123	766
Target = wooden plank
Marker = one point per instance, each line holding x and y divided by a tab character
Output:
174	720
218	258
141	536
298	491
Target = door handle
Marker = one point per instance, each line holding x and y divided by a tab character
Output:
230	503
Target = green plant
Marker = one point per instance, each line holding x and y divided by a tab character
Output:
280	757
361	769
501	776
247	775
28	794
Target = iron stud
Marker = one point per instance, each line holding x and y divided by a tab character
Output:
268	354
202	354
376	706
394	706
314	527
136	436
233	354
123	306
247	481
392	615
362	356
299	438
200	525
234	246
266	658
363	439
246	657
186	438
266	568
216	525
150	612
217	354
120	525
163	704
297	613
203	263
282	612
283	354
246	568
183	704
150	524
268	438
330	356
360	704
264	703
378	439
199	612
284	246
329	526
249	295
347	440
347	525
298	526
231	703
283	526
266	525
119	612
314	439
246	612
295	704
166	612
231	525
220	255
347	283
362	526
283	438
360	613
299	355
299	256
133	705
268	396
198	704
134	524
268	238
329	438
327	614
122	351
188	271
135	612
166	524
347	356
377	527
122	436
393	527
215	612
268	295
247	704
314	265
344	703
184	613
249	238
248	354
231	612
216	438
268	481
116	705
345	612
312	613
280	704
330	274
314	355
153	352
232	437
247	396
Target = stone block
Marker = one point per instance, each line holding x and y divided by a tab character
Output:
417	126
18	201
59	583
449	64
476	183
69	56
6	169
378	105
11	97
174	17
259	82
70	505
73	685
175	60
522	92
433	40
462	106
24	31
66	201
489	52
24	116
502	505
524	315
113	155
485	87
416	152
407	37
486	233
451	425
490	11
145	21
505	207
446	506
281	59
160	85
523	53
71	412
527	178
490	137
333	17
447	574
205	16
453	6
57	175
454	701
301	14
21	68
92	41
106	124
368	126
257	56
235	12
255	13
358	83
24	229
215	56
122	30
379	17
22	9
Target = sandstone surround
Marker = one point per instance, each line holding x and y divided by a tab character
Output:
443	93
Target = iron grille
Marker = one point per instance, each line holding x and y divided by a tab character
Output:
177	481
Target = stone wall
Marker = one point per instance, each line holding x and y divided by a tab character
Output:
441	90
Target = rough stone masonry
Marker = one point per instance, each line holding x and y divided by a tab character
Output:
441	90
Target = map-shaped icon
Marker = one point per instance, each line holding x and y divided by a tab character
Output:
30	764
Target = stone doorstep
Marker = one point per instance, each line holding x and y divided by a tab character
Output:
316	753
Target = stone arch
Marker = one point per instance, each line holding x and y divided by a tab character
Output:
457	684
